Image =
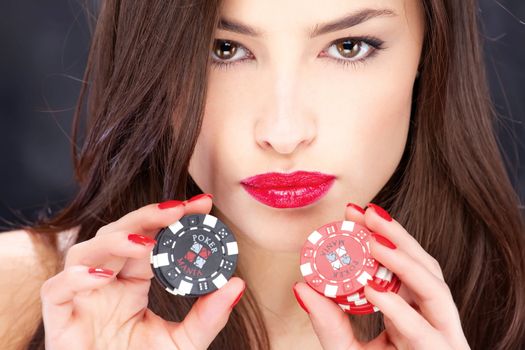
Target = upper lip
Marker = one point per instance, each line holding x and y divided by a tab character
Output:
298	178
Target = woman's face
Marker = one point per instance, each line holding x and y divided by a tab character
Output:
298	95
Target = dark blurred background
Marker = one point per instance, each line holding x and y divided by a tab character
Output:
44	45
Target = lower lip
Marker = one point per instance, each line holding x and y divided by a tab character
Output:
289	197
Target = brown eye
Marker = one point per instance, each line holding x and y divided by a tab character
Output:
224	50
348	48
352	49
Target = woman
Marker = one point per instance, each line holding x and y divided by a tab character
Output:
386	99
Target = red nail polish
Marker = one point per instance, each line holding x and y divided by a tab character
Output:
383	240
199	196
101	272
356	207
140	239
380	211
299	300
236	301
170	204
376	286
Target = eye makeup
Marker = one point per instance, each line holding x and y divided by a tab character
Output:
371	44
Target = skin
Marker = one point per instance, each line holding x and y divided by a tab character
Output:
287	109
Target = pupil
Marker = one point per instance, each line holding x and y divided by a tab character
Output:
348	45
225	46
226	49
348	48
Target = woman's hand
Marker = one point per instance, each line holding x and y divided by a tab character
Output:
108	307
422	316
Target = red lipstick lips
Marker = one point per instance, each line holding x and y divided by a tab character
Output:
293	190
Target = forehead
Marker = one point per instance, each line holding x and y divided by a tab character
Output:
267	16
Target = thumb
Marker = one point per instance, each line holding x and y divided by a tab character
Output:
330	323
208	316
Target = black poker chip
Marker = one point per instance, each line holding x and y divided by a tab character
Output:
194	256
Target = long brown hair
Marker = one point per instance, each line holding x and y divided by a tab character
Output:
142	104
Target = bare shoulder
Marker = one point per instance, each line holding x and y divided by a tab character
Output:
26	261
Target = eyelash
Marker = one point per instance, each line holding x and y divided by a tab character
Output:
374	43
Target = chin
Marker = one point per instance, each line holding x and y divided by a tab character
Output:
278	243
276	230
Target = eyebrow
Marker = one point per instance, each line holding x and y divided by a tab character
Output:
344	22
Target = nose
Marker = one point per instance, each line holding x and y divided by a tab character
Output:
284	123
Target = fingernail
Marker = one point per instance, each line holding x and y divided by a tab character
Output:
199	196
356	207
299	300
101	272
236	301
380	211
376	286
170	204
140	239
383	240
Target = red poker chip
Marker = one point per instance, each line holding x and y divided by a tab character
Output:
383	278
355	302
360	294
382	283
395	286
336	262
336	259
359	310
389	285
369	308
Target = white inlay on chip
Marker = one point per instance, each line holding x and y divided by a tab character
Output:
176	227
161	260
365	276
232	248
384	273
330	290
172	291
185	287
361	301
348	225
314	237
220	281
353	297
210	220
306	269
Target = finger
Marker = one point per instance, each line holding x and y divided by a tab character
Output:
397	234
355	213
57	293
330	323
112	249
208	316
152	217
142	267
432	294
394	335
417	331
145	221
381	342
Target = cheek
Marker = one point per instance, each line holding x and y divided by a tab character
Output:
204	161
385	135
217	146
365	117
368	126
